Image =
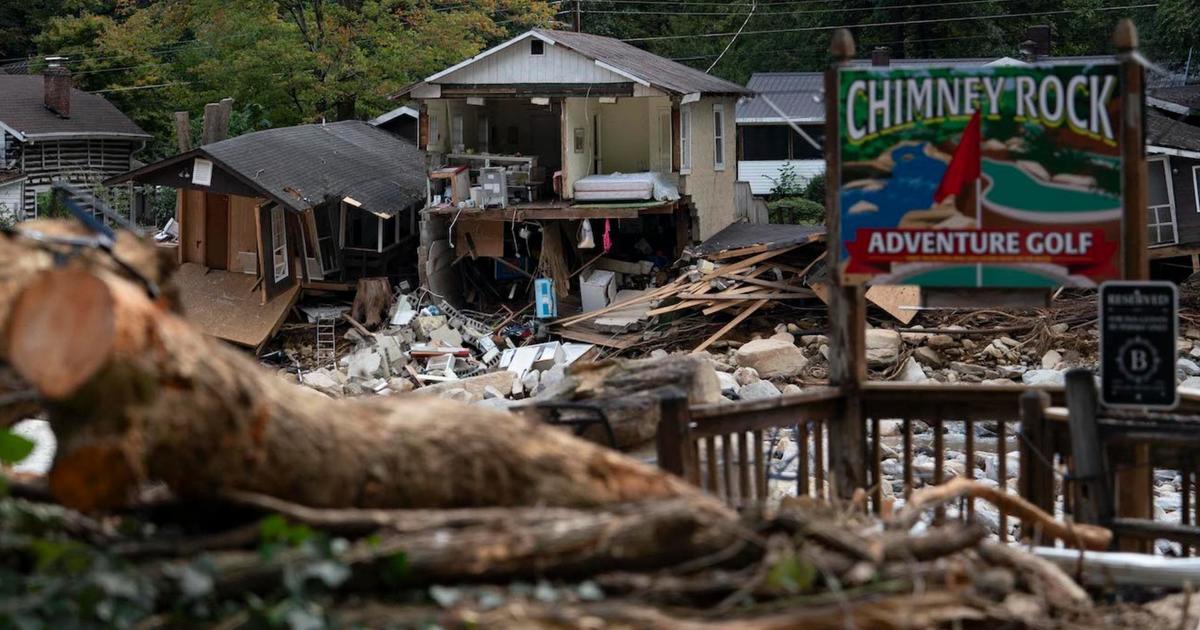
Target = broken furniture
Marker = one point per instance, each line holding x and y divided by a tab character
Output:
450	184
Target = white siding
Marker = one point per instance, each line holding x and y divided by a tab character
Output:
515	65
759	173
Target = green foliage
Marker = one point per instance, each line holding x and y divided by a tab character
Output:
792	574
787	184
796	211
814	189
13	447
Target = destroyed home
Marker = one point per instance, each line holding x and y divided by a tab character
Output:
50	131
265	215
554	148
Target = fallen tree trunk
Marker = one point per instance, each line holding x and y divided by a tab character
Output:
136	393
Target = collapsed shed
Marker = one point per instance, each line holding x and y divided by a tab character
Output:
265	215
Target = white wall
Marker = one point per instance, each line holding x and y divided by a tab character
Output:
711	190
759	173
10	202
515	64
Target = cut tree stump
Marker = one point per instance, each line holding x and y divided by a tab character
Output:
135	393
372	299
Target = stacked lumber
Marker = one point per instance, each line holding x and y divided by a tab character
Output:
738	282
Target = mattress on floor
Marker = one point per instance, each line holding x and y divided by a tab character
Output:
615	187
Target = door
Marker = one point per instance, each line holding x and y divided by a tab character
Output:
216	231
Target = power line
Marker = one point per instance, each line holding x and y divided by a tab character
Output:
892	23
865	46
801	12
734	39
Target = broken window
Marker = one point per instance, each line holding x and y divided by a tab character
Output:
718	137
326	228
278	243
1160	220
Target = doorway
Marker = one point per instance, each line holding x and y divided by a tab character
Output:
216	231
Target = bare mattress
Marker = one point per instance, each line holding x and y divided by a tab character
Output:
625	187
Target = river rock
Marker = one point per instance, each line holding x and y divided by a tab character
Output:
1043	377
929	356
745	376
937	342
882	347
771	358
1051	359
758	390
911	372
729	384
1187	367
1192	382
321	381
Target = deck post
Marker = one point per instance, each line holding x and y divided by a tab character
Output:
672	439
847	307
1133	484
1035	481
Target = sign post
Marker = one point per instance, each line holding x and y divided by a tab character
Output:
1138	328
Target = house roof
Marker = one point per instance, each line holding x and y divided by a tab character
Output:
801	94
798	94
618	57
1182	99
23	113
304	166
10	177
389	116
1167	131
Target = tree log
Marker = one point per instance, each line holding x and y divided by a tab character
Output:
136	393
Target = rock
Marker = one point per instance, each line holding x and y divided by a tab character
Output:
882	347
792	328
745	375
781	328
474	386
890	428
490	391
446	336
792	389
1188	367
531	380
785	337
911	372
321	381
929	356
968	368
1191	381
824	351
365	364
729	384
659	353
428	323
937	342
1059	329
1195	353
813	340
758	390
915	338
1183	346
400	385
1043	377
1011	371
459	394
1051	359
967	344
771	358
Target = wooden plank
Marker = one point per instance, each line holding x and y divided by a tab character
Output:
710	465
731	295
802	485
746	312
739	252
743	466
760	467
743	264
892	299
617	342
663	291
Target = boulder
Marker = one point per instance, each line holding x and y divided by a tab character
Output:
771	358
745	376
911	372
882	347
785	337
1043	377
758	390
1051	359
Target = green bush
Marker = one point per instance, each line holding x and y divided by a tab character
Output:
795	211
814	189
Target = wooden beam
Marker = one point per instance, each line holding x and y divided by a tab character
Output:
746	312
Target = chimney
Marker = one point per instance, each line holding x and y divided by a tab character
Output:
1029	51
57	87
1040	36
881	56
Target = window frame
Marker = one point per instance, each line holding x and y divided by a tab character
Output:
537	47
685	139
718	118
435	132
279	257
1152	211
457	126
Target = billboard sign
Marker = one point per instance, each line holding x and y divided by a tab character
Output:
980	176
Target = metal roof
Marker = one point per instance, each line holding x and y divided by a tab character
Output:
657	71
307	165
1167	131
798	94
23	113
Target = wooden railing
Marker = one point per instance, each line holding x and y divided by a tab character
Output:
726	449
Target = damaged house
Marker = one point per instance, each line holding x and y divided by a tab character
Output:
622	156
50	131
268	214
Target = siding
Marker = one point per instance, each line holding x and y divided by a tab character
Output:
515	65
759	173
1183	184
10	202
83	162
711	190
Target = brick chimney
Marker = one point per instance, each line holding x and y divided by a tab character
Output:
1040	36
881	56
56	82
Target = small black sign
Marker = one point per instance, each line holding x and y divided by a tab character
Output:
1138	327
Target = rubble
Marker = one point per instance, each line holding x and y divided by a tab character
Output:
771	358
882	347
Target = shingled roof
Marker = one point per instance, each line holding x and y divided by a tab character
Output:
1184	99
23	113
657	71
1167	131
307	165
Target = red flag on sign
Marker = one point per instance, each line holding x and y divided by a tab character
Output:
964	166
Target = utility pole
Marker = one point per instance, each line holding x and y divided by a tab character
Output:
578	16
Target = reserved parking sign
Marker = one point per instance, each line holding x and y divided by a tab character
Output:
1139	323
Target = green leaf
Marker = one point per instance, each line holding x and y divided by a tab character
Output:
14	448
792	575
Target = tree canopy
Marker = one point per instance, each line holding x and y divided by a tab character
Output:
291	61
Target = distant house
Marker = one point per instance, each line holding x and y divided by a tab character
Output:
51	131
401	121
264	215
583	106
1173	165
766	144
